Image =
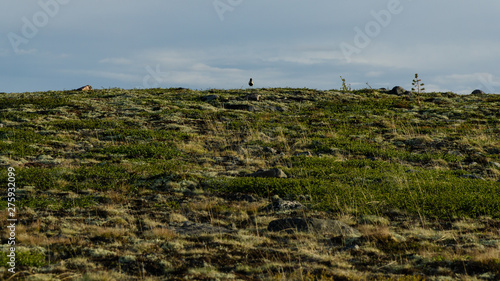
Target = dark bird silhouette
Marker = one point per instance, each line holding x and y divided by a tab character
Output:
250	83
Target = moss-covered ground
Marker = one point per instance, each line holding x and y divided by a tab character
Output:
101	175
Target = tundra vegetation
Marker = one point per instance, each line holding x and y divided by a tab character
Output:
118	184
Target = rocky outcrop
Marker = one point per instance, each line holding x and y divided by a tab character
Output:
398	91
210	98
284	205
334	227
477	92
245	107
85	88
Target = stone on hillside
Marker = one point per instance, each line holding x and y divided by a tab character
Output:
246	107
284	205
455	152
477	92
210	98
271	173
254	97
398	91
246	197
85	88
305	153
334	227
270	150
494	164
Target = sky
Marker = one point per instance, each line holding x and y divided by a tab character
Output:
454	45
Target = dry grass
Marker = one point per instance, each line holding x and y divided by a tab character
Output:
100	215
160	233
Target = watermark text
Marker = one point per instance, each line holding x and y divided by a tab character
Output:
11	219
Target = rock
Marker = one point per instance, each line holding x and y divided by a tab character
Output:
398	91
84	88
477	92
254	97
284	205
494	164
210	98
271	173
456	153
334	227
240	107
268	149
188	184
474	177
305	153
193	228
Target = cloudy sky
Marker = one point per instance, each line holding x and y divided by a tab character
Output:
454	45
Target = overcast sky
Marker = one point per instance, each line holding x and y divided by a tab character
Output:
453	45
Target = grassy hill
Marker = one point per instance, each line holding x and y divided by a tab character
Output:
106	179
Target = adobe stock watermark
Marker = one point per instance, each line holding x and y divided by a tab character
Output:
223	6
363	37
31	26
154	77
487	82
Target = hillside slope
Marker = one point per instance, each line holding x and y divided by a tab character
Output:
166	184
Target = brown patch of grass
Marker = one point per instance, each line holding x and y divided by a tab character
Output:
160	233
109	233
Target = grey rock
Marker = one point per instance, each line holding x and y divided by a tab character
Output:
334	227
284	205
210	98
398	91
494	164
253	97
456	153
246	107
477	92
305	153
269	150
271	173
84	88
